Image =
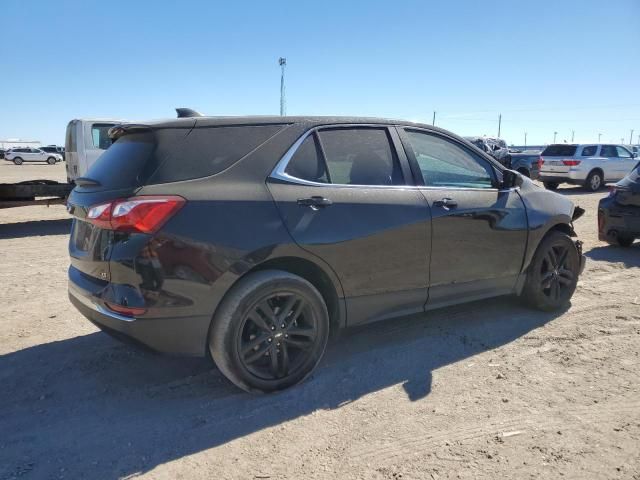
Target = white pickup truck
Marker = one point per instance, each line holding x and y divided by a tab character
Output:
589	165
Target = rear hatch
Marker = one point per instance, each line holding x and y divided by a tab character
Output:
558	158
118	173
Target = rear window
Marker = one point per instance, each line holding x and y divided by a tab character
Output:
559	151
210	150
122	164
173	154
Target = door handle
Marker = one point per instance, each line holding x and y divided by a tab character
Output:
446	202
314	202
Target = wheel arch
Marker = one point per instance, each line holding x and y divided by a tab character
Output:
315	275
561	223
599	170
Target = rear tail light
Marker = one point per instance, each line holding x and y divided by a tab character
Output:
571	163
144	214
600	221
124	310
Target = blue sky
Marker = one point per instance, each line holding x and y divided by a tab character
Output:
546	65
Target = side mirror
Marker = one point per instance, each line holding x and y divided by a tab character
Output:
510	179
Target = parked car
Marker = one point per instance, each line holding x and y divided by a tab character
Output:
20	155
54	149
496	147
295	226
527	163
619	213
588	165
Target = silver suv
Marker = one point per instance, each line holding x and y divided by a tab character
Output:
20	155
590	165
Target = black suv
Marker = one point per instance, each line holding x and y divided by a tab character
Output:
252	238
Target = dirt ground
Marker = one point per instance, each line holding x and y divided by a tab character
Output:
483	390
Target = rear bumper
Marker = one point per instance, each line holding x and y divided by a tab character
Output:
177	336
560	178
615	219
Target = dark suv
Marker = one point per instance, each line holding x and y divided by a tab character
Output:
252	238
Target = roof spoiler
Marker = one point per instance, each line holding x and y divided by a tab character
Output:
187	113
117	131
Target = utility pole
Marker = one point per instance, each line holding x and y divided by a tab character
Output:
599	135
283	63
622	140
631	137
572	135
499	124
554	136
433	122
525	140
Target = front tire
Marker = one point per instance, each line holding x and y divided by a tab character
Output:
553	274
17	161
551	185
269	332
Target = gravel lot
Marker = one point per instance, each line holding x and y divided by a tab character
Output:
483	390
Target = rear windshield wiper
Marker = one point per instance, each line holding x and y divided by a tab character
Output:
87	182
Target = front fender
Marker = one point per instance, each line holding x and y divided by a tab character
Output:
546	211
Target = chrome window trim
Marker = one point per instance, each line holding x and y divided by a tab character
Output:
279	173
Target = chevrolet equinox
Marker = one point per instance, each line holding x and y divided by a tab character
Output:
253	237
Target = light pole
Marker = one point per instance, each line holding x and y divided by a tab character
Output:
554	136
433	122
283	63
499	124
599	135
525	140
631	137
573	133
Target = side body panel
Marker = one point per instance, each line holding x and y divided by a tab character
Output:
377	240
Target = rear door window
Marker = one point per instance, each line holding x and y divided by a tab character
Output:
608	151
589	151
360	156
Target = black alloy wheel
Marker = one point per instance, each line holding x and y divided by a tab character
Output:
270	331
556	276
277	335
553	273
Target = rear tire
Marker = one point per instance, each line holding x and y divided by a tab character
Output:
625	240
553	274
551	185
594	181
17	161
269	332
51	161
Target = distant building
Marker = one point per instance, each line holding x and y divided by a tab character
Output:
17	143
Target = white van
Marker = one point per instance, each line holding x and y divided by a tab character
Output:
86	139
